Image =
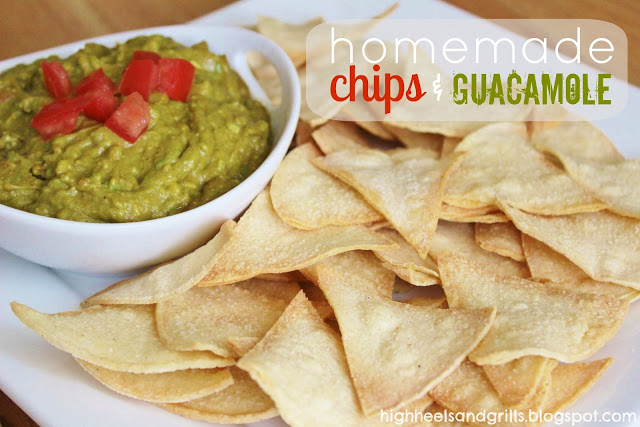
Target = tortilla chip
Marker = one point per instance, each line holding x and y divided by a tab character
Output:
167	280
499	160
337	135
405	186
436	302
449	145
440	417
301	365
292	38
569	382
533	319
431	142
166	387
263	243
548	266
404	255
206	318
358	111
501	238
485	215
303	133
242	402
517	382
413	347
290	276
415	277
581	140
460	239
617	184
308	198
122	338
604	245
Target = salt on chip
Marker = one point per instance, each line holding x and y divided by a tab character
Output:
263	243
165	387
485	215
337	135
615	183
121	338
459	238
500	162
501	238
604	245
516	382
205	318
242	402
405	186
412	347
533	319
309	198
301	365
547	265
404	255
167	280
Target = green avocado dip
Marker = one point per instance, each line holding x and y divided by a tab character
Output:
191	153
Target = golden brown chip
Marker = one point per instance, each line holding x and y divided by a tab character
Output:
242	402
404	255
303	133
337	135
460	239
413	347
517	382
604	245
207	318
121	338
167	280
165	387
581	140
309	198
499	161
263	243
405	186
549	266
485	215
533	319
290	276
449	145
437	302
431	142
501	238
301	365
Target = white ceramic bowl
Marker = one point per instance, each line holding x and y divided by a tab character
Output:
119	248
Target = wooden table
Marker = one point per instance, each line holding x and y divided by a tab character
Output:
30	25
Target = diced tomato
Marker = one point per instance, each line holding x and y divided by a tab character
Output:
140	76
145	54
56	79
96	80
99	104
175	78
131	118
58	118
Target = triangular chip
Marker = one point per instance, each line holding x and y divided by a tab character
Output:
396	351
547	265
165	387
337	135
616	183
121	338
292	38
263	243
206	318
167	280
415	277
309	198
533	319
405	186
460	239
604	245
499	160
485	215
501	238
242	402
301	365
516	382
404	255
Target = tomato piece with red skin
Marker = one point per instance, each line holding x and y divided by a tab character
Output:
58	118
96	80
141	75
56	79
99	104
131	118
175	78
146	54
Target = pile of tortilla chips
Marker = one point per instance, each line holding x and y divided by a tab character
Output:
385	268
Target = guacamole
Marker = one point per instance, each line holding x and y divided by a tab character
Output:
191	152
